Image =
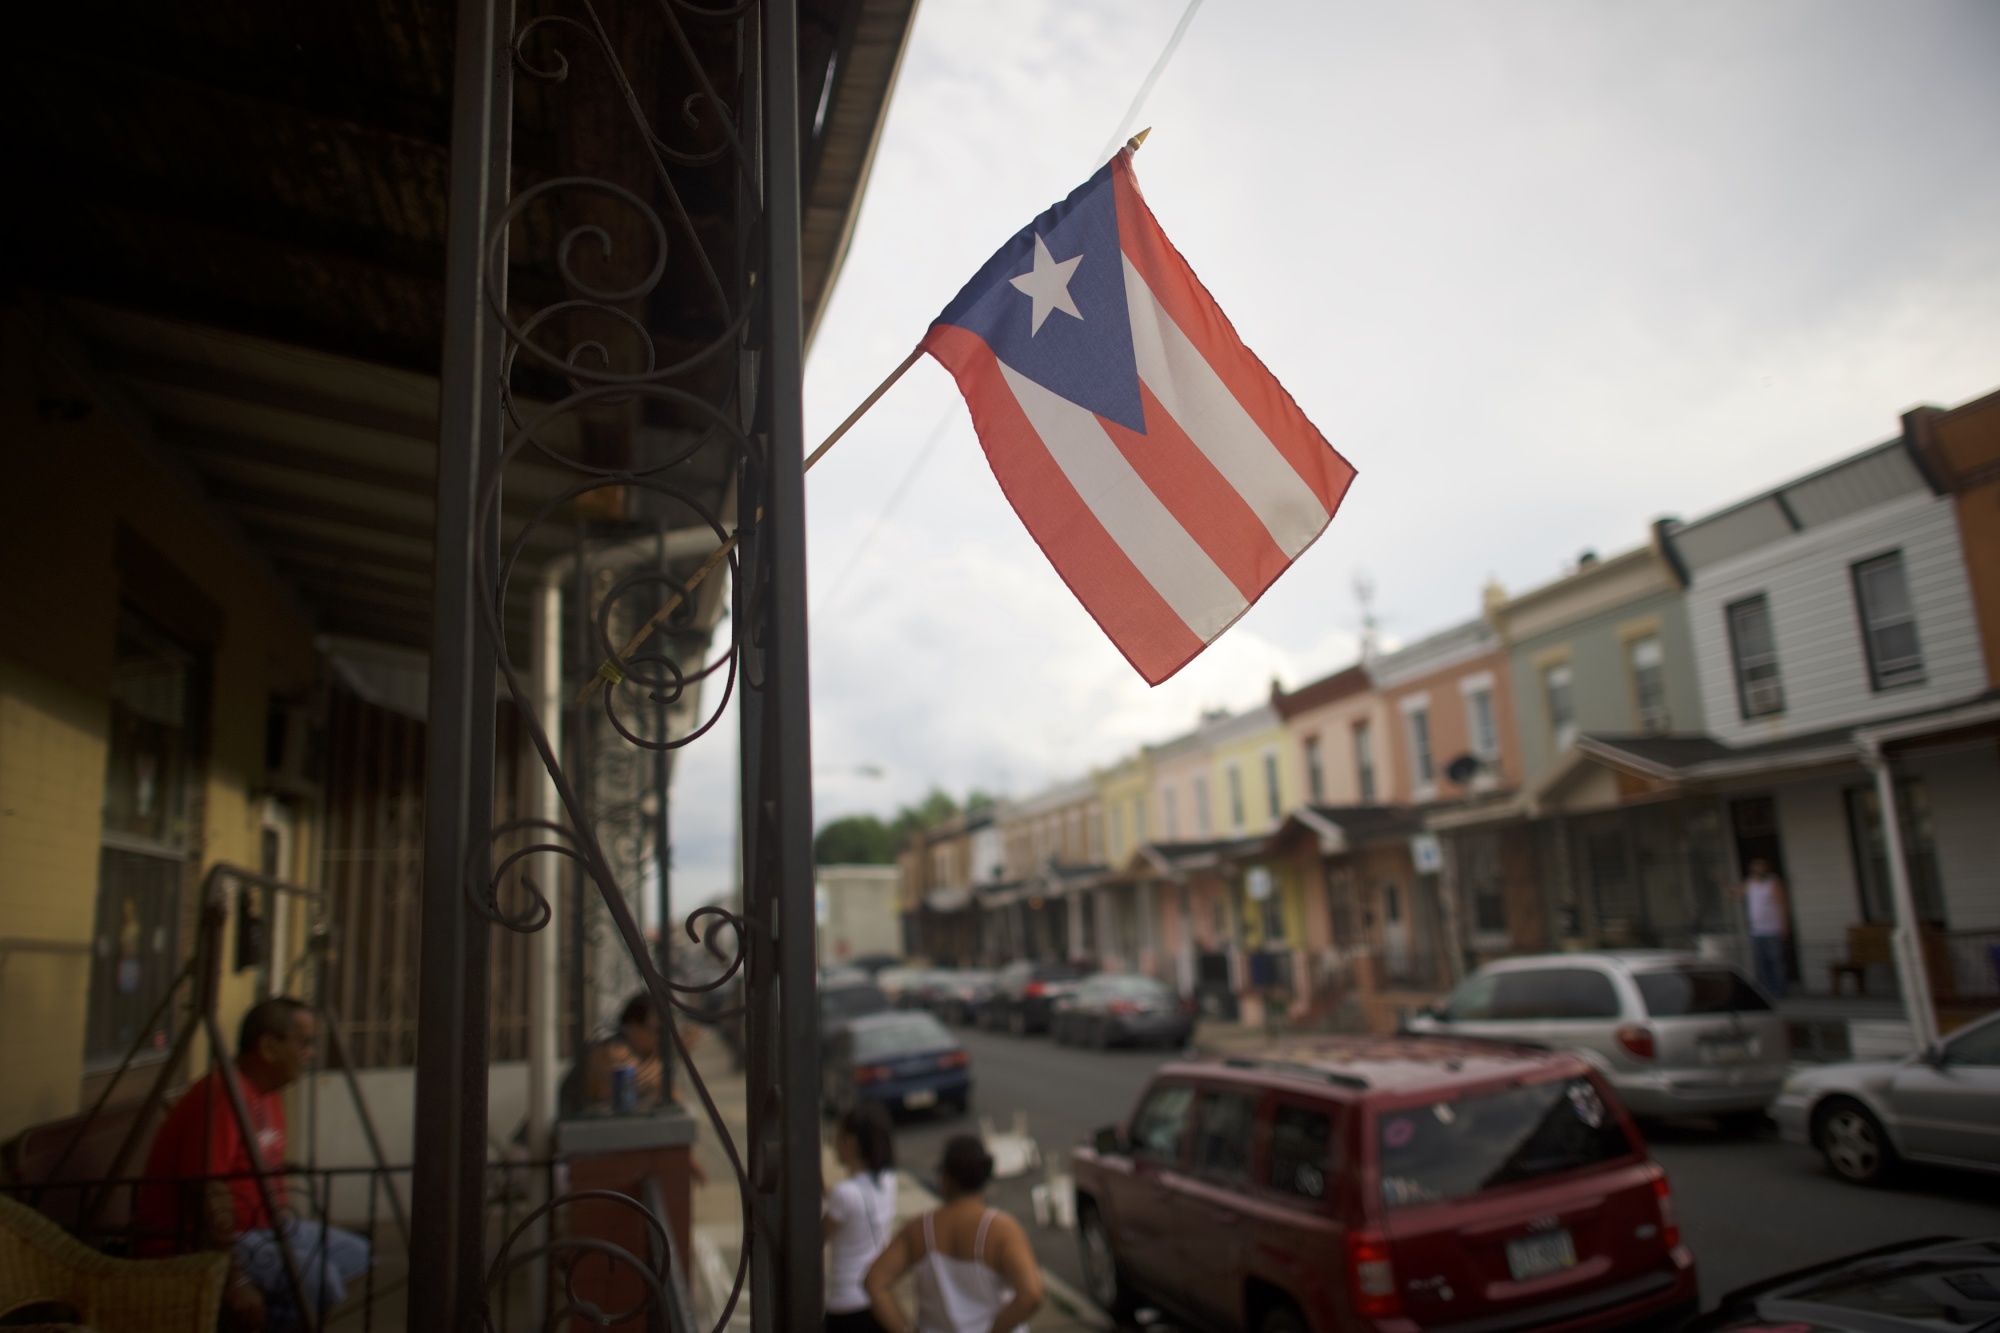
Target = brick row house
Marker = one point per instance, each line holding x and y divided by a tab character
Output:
1589	763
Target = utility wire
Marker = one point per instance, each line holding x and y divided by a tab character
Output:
938	431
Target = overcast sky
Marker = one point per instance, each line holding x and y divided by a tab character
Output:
1542	271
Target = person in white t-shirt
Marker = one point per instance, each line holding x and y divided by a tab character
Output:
1768	916
860	1215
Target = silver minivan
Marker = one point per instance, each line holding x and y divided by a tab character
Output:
1676	1033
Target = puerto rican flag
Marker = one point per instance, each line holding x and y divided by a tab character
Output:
1162	469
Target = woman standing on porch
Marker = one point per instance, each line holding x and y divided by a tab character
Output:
1763	896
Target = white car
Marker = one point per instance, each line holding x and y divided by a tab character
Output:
1675	1033
1941	1105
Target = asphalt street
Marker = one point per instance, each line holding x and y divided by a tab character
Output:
1750	1206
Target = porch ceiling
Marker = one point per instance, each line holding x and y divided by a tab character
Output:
238	240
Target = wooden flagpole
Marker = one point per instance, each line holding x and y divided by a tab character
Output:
608	672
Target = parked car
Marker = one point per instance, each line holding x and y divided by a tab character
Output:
906	1061
1676	1034
959	997
1023	993
1378	1183
1938	1105
896	982
846	1001
1122	1010
1918	1285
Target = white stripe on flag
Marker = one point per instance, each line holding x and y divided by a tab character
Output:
1151	537
1195	397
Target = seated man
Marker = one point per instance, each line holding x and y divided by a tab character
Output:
218	1205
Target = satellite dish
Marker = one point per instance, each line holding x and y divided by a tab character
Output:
1463	769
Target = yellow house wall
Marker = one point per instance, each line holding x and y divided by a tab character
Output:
70	485
1248	753
1119	789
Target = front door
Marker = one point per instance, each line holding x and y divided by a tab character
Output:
1952	1109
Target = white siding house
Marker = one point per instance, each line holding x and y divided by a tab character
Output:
1838	601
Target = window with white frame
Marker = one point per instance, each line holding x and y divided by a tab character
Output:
1203	825
1273	801
1482	726
1236	816
1754	647
1417	721
1888	622
1558	681
1649	682
1315	771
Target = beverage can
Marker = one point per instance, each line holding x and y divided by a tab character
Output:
625	1089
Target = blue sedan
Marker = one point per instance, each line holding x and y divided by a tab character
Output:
906	1061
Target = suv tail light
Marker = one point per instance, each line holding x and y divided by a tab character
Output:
1372	1276
953	1060
1123	1006
1637	1041
1670	1218
1035	988
870	1073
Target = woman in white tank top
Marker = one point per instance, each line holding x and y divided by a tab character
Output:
860	1214
974	1268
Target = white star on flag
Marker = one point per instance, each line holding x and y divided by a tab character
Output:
1048	285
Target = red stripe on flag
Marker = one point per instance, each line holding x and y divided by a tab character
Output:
1154	639
1190	306
1200	498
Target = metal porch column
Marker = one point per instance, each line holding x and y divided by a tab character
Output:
783	1064
450	1148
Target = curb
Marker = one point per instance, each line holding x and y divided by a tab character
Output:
1074	1303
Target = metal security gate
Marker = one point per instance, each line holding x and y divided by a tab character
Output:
668	347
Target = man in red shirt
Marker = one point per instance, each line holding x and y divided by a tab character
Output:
201	1193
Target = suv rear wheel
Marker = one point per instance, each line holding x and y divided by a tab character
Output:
1853	1142
1101	1276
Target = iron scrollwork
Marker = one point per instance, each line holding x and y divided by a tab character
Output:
597	345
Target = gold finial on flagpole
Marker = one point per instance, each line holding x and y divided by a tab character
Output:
1138	139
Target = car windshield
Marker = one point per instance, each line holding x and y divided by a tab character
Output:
1957	1291
1680	991
918	1032
1453	1148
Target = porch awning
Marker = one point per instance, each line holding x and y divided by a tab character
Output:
238	238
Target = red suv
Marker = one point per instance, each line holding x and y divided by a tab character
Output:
1391	1184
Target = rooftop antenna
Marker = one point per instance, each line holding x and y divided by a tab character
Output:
1364	593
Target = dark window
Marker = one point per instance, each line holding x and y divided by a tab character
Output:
905	1036
1696	990
1483	881
1315	774
1888	622
1556	992
1754	647
1222	1134
1557	684
1161	1123
1364	762
1871	852
1450	1149
1420	745
1273	800
1301	1152
147	782
1235	796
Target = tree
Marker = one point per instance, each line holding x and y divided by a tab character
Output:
855	840
866	840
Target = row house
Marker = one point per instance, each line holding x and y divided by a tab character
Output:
1591	763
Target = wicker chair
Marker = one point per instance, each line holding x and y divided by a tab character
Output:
41	1263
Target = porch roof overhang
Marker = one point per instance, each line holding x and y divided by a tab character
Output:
236	251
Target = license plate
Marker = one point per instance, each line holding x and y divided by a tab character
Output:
917	1101
1534	1256
1729	1052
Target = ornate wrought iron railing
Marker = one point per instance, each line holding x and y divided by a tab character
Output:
625	247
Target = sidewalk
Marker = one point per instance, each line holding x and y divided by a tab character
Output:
717	1224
